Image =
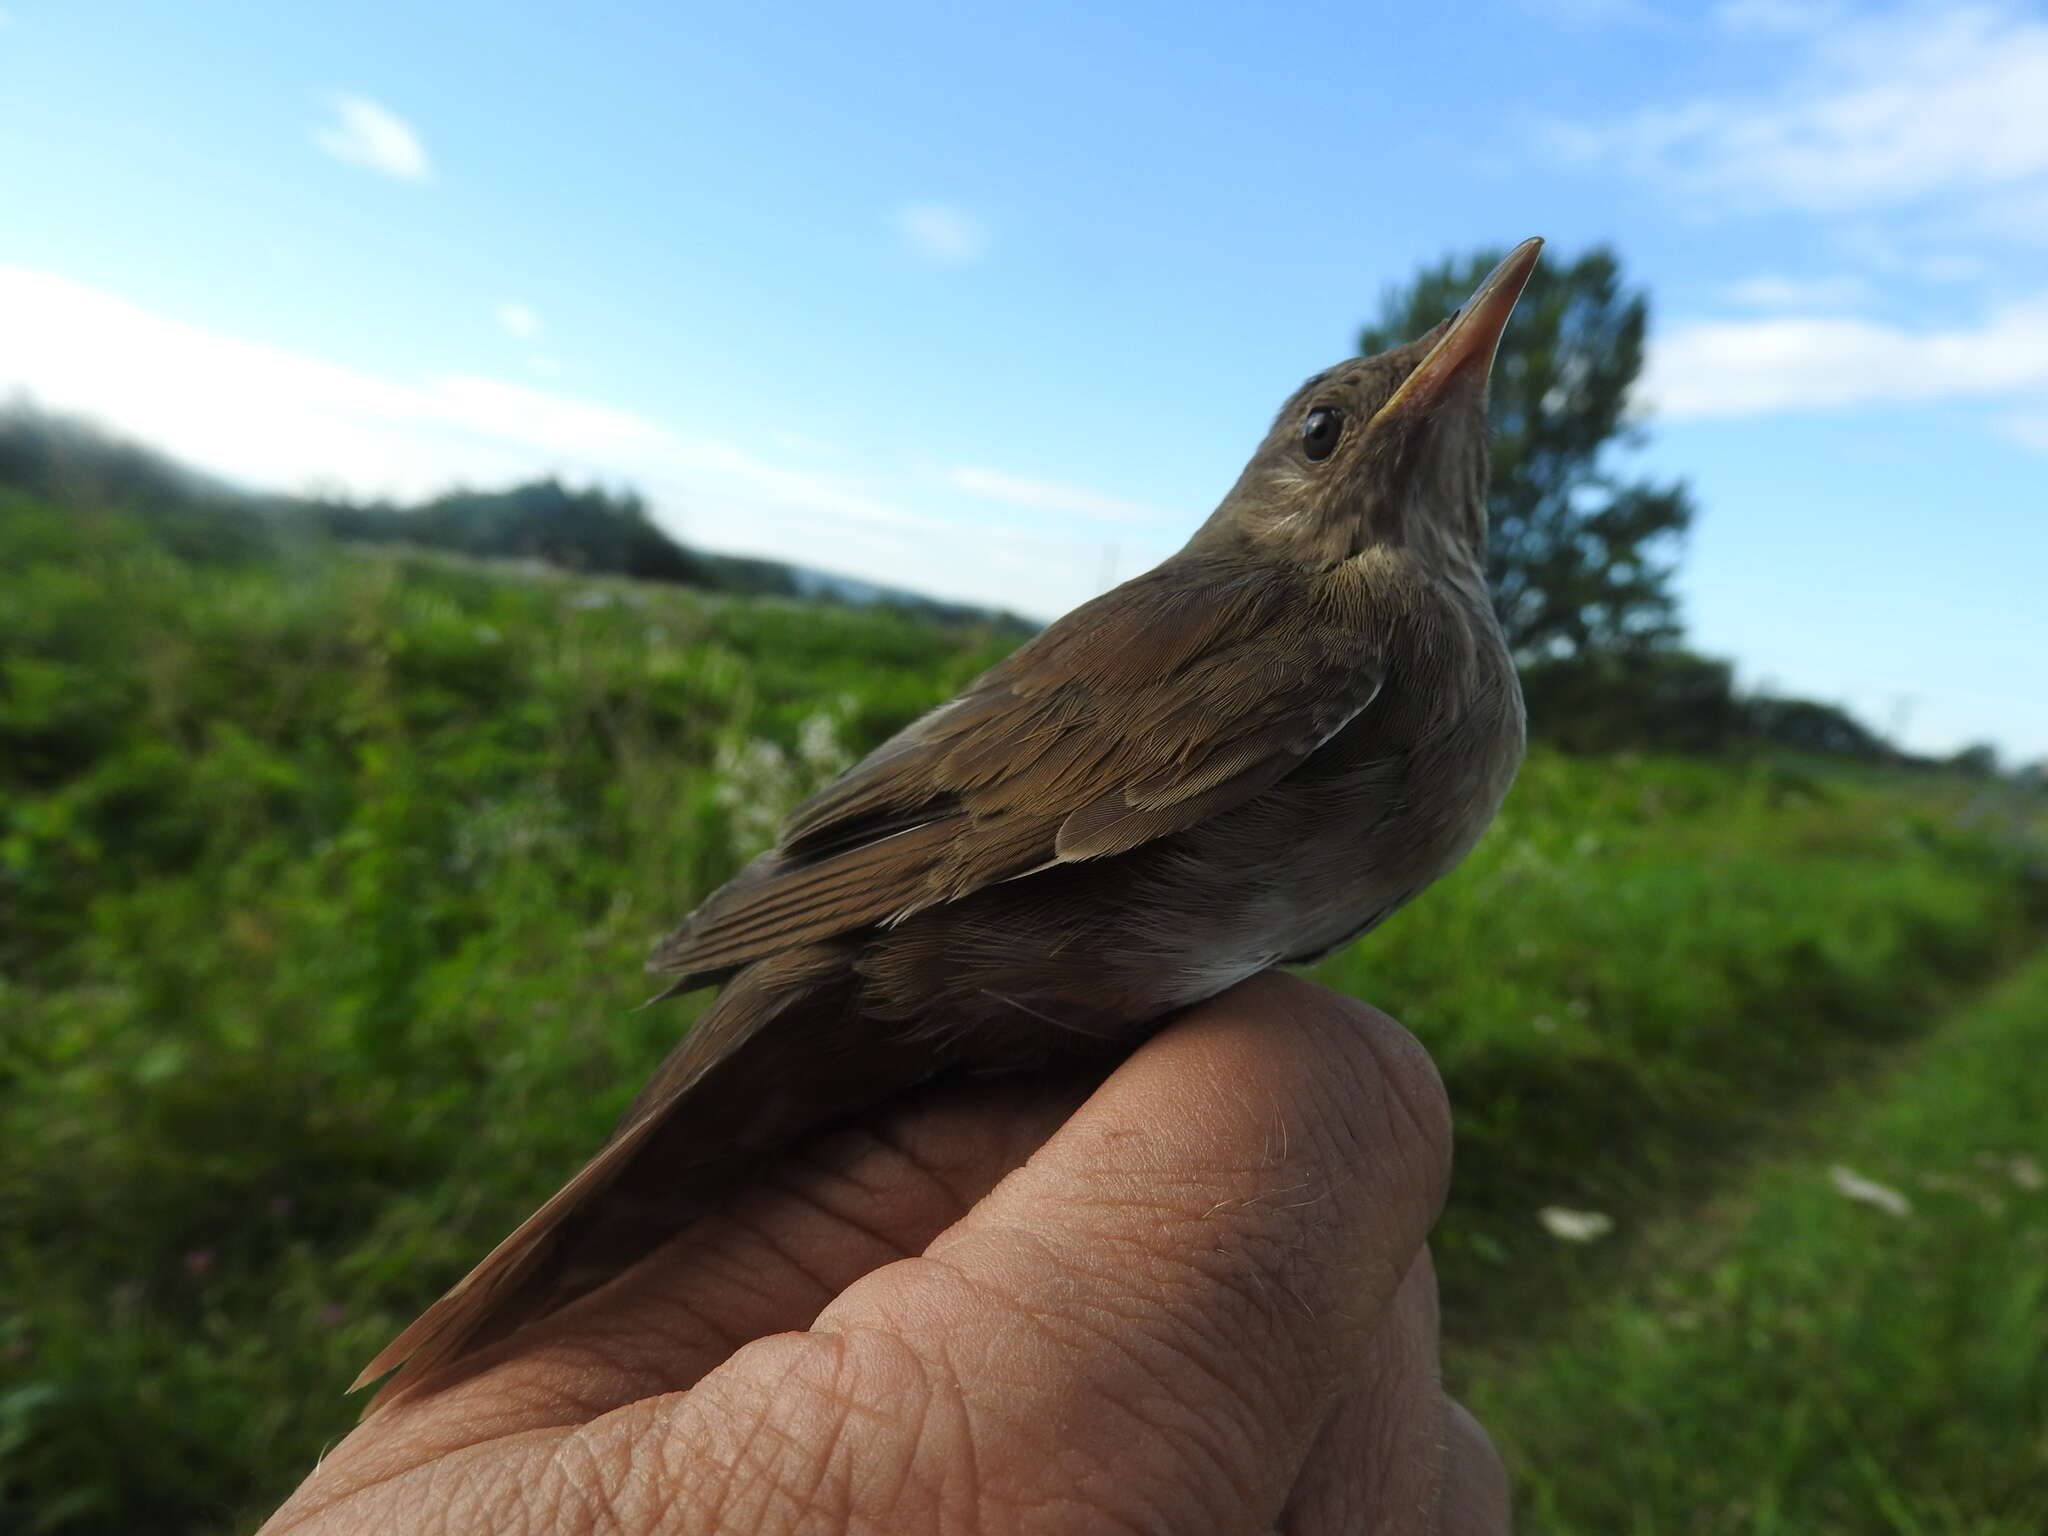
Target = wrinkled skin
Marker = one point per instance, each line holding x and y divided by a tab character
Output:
1193	1298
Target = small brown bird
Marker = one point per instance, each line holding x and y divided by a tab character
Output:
1245	757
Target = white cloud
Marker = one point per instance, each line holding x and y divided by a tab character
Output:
1795	362
1048	496
1769	290
519	320
1880	111
1915	139
2027	426
369	134
273	418
942	234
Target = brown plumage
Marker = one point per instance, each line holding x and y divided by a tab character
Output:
1244	757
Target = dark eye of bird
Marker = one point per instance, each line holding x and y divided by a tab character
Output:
1320	430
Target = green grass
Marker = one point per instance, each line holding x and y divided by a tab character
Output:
325	881
1784	1359
1647	962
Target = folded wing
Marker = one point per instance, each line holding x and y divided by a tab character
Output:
1125	722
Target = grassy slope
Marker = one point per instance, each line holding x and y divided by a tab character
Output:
1784	1359
326	887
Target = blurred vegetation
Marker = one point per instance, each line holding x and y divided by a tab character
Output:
1593	684
69	462
326	877
1786	1358
588	530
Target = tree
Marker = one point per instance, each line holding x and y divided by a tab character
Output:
1580	557
1979	761
1643	699
586	530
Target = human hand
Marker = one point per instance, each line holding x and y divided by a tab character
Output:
1203	1304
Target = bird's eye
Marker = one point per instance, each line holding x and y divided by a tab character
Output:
1320	430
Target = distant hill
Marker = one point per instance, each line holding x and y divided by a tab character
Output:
1654	697
72	462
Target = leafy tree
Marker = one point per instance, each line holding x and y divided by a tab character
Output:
1979	760
1663	700
1809	726
1580	557
589	530
72	462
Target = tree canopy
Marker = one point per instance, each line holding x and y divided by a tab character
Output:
591	529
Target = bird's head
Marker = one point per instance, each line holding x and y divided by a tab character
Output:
1386	450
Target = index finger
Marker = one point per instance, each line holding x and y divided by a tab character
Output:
1175	1285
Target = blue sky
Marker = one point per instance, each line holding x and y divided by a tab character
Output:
994	303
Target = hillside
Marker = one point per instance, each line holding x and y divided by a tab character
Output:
67	461
328	875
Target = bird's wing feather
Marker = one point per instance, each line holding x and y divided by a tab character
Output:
1128	720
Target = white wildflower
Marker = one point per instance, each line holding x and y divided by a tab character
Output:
817	741
1575	1226
757	784
760	782
1852	1185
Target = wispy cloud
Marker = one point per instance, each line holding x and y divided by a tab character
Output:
939	233
1769	290
1874	110
1911	137
2027	427
279	419
518	320
367	133
1048	496
1746	367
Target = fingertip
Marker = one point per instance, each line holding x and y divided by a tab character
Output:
1478	1500
1362	1056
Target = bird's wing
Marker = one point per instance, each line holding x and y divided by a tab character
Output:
1141	713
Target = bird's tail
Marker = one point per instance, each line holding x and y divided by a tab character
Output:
779	1054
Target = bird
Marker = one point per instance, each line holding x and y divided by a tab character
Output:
1245	757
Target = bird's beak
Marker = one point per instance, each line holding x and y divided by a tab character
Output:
1466	348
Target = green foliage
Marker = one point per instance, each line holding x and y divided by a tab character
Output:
1665	699
70	462
1692	948
1578	555
1661	699
1785	1359
65	461
325	884
586	530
